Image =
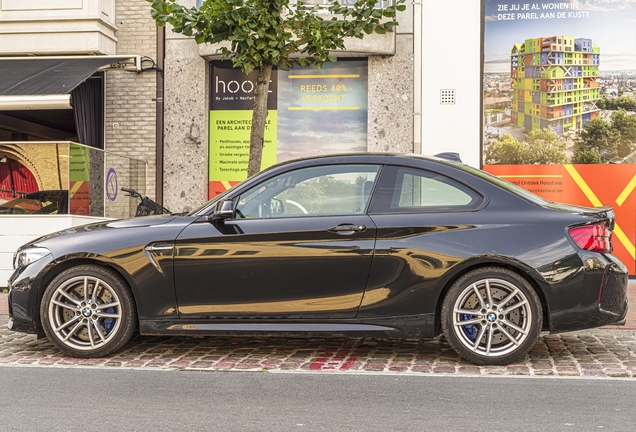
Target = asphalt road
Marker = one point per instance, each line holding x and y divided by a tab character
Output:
59	399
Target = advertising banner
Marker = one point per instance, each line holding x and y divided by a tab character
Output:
231	102
559	106
79	179
310	112
590	185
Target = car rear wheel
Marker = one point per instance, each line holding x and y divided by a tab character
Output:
491	316
88	311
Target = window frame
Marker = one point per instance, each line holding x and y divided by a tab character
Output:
370	166
383	193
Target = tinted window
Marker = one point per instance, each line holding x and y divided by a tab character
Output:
408	189
324	190
517	190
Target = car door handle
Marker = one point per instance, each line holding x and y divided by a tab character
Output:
153	247
347	229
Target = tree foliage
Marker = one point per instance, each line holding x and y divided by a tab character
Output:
542	147
625	127
599	135
585	155
546	147
506	150
623	102
267	33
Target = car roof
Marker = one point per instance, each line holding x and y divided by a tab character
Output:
368	157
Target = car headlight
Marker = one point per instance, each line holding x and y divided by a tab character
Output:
26	256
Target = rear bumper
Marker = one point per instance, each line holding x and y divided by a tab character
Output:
601	296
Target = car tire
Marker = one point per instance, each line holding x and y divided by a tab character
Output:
88	311
491	316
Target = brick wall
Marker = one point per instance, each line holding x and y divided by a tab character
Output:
129	95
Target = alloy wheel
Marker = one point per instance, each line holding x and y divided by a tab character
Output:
85	313
492	317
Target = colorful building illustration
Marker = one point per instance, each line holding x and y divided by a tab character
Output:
554	81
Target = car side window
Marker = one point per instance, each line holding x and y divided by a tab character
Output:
408	190
312	191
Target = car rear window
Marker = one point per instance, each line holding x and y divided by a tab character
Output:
407	190
511	187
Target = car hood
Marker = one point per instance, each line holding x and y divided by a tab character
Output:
101	236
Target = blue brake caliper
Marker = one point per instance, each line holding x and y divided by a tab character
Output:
469	329
109	323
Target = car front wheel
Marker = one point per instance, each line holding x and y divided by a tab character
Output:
88	311
491	316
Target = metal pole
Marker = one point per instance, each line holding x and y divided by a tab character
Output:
161	45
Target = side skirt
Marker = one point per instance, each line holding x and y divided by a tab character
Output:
418	326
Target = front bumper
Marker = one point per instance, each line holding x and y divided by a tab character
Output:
26	286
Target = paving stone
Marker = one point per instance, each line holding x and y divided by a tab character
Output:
594	353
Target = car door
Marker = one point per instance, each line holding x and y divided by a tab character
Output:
426	224
299	246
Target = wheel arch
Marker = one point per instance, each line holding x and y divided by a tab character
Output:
61	266
500	262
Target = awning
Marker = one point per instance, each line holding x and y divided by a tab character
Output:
46	82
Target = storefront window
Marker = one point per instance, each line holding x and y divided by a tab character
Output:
15	179
67	178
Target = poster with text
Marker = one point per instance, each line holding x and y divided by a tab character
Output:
310	112
231	102
559	112
559	80
79	179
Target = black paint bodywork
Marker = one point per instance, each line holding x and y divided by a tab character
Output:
292	275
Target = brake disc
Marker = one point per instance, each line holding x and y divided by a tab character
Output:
104	296
472	303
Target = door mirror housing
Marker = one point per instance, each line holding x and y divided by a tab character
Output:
224	210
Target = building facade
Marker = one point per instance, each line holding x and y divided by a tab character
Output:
555	83
152	87
101	73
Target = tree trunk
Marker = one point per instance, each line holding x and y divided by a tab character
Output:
259	118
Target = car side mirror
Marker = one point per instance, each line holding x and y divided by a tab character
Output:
224	210
277	206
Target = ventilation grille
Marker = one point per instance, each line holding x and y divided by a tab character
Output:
447	97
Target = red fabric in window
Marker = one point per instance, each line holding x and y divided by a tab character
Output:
23	180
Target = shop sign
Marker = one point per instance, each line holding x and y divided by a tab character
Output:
311	112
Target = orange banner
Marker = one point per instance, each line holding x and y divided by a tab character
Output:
586	185
217	187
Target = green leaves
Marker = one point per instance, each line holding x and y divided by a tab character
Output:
276	32
543	146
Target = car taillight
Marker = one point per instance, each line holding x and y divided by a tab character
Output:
595	237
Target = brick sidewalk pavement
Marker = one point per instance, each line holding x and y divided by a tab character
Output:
595	353
606	352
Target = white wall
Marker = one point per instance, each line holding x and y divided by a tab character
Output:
451	59
18	230
51	27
